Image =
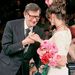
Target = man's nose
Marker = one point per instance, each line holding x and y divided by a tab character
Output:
34	19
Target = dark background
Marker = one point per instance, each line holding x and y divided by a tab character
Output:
9	8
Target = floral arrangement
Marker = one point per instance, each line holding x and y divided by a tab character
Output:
48	53
49	2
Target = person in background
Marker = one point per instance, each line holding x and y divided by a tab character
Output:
71	58
17	47
61	36
33	68
71	55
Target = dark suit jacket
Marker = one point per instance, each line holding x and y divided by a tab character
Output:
12	54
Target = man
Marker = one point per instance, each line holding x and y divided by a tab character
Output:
18	49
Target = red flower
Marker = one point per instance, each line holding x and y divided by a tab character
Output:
45	58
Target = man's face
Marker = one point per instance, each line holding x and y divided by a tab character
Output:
32	18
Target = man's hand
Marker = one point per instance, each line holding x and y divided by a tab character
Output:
27	40
35	37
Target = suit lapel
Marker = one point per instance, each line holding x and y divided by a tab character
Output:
21	30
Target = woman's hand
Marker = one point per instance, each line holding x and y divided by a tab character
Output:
41	68
35	37
27	40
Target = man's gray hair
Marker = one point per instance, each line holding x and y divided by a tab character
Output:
32	7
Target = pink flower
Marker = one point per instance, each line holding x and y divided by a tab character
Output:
53	61
49	2
45	44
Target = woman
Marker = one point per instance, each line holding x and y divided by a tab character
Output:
62	38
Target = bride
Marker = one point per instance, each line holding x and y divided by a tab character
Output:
61	36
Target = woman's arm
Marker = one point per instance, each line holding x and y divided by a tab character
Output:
35	37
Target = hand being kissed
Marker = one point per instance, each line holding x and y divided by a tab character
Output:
35	37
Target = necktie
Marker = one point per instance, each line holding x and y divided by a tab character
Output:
26	34
27	31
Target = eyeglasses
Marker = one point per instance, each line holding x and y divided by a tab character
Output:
33	16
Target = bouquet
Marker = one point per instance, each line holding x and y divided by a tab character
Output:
48	53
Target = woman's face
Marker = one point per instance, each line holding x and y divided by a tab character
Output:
51	19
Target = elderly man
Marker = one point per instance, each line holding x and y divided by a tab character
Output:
17	47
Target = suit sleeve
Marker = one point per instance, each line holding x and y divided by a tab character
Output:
8	46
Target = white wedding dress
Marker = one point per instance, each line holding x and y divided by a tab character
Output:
62	40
